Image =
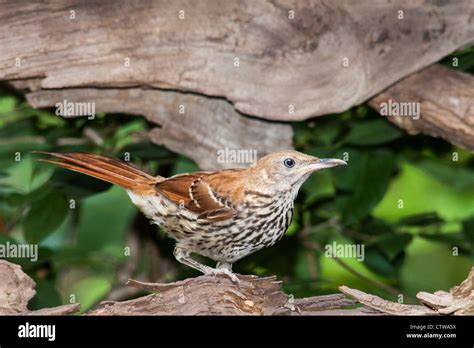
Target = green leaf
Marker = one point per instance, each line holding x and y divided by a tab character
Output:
45	216
104	218
147	151
90	290
423	219
371	182
78	185
391	244
378	262
465	59
430	266
24	176
293	228
449	174
7	104
373	226
413	192
451	239
345	178
362	111
185	165
123	134
372	132
47	119
18	127
325	134
317	186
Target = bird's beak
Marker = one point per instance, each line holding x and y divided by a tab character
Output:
322	163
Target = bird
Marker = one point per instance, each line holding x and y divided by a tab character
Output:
224	215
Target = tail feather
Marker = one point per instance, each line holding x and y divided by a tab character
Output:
105	168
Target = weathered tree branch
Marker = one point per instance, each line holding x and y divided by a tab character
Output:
446	99
17	289
459	300
218	295
263	56
385	306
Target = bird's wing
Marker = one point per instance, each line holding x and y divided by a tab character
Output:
210	194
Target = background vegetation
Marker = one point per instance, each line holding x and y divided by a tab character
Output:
85	227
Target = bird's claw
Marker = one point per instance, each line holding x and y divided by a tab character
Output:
225	271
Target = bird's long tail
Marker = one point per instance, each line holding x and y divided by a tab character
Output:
105	168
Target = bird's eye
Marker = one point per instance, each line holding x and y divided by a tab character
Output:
289	162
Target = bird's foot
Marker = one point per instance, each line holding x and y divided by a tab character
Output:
233	277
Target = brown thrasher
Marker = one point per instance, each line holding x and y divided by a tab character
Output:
224	215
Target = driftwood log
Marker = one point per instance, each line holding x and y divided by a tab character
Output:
17	289
446	99
217	295
279	60
289	52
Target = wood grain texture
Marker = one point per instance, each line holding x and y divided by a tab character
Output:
385	306
17	289
282	61
446	99
218	295
210	295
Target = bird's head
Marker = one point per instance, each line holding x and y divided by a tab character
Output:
289	169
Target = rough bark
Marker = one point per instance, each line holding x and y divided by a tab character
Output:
459	300
17	289
446	99
385	306
218	295
12	277
282	60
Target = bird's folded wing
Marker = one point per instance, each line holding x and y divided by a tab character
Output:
208	194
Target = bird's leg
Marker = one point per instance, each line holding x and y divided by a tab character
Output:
226	268
183	256
224	265
226	272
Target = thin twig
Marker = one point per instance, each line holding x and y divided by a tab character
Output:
93	136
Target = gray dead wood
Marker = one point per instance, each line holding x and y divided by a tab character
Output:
218	295
17	289
385	306
210	295
446	99
458	301
265	57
